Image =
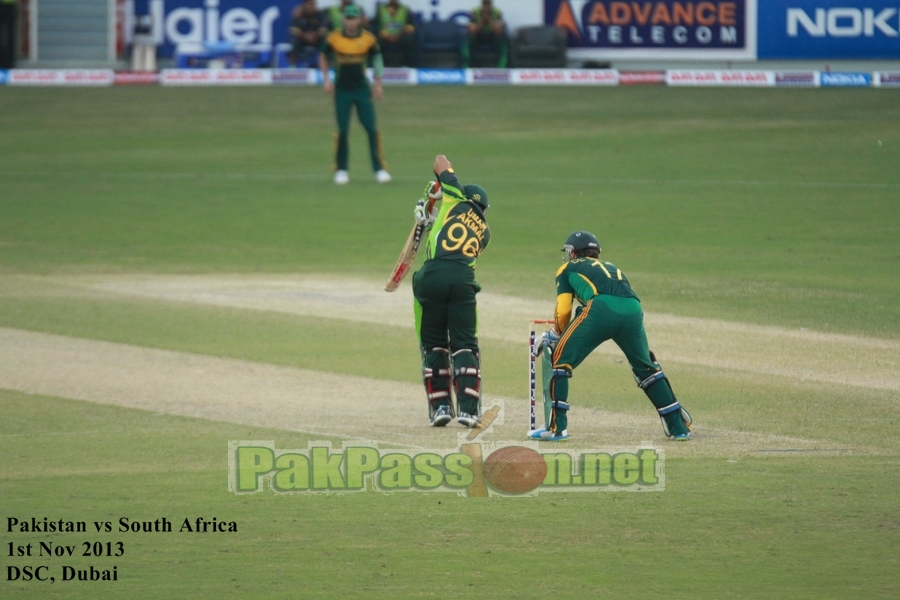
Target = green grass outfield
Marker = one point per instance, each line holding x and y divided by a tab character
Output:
768	208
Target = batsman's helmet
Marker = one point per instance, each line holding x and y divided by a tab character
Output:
476	194
578	241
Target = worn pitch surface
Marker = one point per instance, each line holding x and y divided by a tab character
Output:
391	412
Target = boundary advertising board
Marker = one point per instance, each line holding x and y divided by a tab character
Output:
829	29
658	29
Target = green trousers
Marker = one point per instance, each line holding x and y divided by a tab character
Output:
447	325
608	318
445	305
344	100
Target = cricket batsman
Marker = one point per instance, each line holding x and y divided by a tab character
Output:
445	289
609	310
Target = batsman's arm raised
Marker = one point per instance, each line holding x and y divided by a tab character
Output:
460	232
448	179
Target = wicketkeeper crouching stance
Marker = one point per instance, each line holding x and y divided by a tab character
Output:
444	290
609	310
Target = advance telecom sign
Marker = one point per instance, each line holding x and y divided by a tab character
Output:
715	29
832	29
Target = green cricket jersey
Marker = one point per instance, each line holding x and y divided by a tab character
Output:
583	279
460	232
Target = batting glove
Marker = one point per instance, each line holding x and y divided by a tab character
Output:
433	190
548	339
423	217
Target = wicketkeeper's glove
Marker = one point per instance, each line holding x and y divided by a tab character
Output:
548	339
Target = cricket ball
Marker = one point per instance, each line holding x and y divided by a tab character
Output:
515	469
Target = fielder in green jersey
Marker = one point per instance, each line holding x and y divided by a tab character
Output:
609	310
444	290
351	49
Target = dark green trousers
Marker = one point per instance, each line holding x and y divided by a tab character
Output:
607	318
447	324
445	305
344	100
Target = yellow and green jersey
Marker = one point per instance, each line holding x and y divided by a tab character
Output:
395	21
460	232
584	278
350	57
495	13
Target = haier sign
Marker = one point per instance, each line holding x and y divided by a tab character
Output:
832	29
243	22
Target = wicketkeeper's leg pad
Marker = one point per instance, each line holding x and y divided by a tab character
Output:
675	419
436	375
467	380
559	406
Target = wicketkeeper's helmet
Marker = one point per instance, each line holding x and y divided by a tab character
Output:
476	194
578	241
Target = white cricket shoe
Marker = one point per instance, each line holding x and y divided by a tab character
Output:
467	420
382	176
441	416
341	177
543	435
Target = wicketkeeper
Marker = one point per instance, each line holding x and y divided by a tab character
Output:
444	290
609	310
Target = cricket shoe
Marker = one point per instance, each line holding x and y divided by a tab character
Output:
441	416
544	435
683	437
341	177
467	420
382	176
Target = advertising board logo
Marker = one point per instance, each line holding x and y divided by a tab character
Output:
831	29
135	78
77	77
592	76
717	24
490	76
642	77
843	22
846	79
889	79
799	79
730	77
186	77
4	74
441	76
213	21
398	75
540	76
293	76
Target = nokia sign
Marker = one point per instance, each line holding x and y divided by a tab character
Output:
832	29
843	22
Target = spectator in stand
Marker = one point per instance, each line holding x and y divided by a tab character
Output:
486	28
309	27
336	15
8	13
396	31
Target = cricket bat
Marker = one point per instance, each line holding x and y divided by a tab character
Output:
407	256
410	249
